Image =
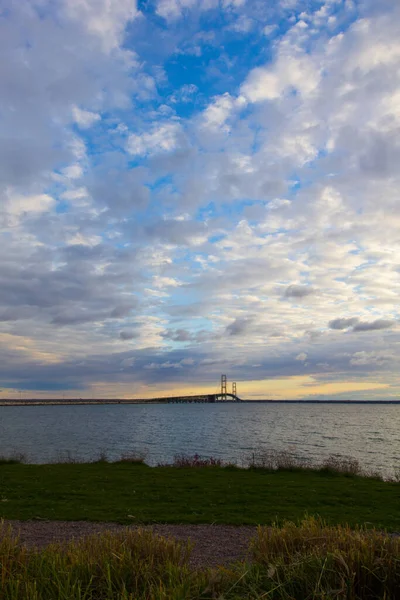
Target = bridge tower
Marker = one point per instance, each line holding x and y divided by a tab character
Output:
223	387
234	389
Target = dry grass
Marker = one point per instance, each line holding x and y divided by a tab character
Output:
273	460
195	461
309	561
137	458
284	460
126	565
343	465
13	459
313	560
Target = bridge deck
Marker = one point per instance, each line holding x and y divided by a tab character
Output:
204	398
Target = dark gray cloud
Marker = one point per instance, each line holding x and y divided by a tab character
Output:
172	231
240	325
298	291
356	325
178	335
373	325
343	323
128	335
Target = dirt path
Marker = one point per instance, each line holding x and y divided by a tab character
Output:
213	544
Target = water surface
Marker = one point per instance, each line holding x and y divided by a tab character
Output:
370	433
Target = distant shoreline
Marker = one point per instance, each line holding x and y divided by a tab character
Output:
109	401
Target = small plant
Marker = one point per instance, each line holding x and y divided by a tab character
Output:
183	460
13	459
343	465
67	458
102	457
274	460
133	458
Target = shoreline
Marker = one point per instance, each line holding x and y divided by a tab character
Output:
110	401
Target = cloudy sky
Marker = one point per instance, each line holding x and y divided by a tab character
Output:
197	187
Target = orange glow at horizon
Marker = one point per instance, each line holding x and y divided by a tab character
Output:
277	389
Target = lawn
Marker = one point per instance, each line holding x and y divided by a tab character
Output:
133	493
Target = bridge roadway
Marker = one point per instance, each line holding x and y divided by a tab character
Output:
205	398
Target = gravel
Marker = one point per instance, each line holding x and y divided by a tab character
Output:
214	545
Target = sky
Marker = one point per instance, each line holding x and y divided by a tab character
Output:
197	187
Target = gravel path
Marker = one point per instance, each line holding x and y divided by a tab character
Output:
213	544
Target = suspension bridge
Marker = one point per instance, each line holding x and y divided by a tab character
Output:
222	395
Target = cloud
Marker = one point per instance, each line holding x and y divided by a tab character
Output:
343	323
373	325
239	326
217	113
102	18
18	205
298	291
363	358
171	10
127	335
150	192
163	138
85	118
358	325
290	73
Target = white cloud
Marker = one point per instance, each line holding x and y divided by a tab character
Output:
217	113
85	118
162	138
105	19
169	9
174	9
18	205
297	73
73	171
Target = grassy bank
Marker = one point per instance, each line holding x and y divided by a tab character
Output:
127	492
290	563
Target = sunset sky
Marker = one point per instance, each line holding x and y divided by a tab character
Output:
197	187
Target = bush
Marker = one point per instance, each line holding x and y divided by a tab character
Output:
273	460
184	460
343	465
133	458
13	459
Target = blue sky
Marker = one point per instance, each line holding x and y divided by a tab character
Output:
197	187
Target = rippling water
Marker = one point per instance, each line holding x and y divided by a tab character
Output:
370	433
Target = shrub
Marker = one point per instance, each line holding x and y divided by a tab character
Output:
183	460
13	459
133	457
273	460
343	465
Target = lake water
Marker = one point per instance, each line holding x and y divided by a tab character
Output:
370	433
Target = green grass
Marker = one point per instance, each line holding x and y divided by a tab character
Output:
309	561
126	492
